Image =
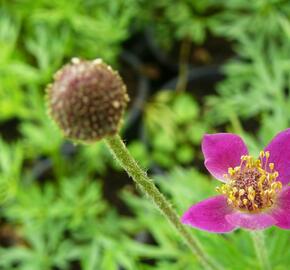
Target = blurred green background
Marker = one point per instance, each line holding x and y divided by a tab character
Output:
191	67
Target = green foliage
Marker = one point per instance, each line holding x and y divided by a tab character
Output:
37	37
180	20
238	18
65	206
11	158
258	79
186	187
174	127
257	82
63	223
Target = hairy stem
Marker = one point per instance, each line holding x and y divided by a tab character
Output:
125	159
260	248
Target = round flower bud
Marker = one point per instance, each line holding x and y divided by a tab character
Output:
87	100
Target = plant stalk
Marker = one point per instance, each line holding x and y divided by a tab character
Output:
260	248
183	65
122	155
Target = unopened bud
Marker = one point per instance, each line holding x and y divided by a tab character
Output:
87	100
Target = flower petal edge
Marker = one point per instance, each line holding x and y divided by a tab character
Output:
221	151
209	215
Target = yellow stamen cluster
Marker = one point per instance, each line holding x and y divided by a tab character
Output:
252	186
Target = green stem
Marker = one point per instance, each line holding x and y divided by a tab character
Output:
125	159
183	65
260	248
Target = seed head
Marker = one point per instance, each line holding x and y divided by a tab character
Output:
87	100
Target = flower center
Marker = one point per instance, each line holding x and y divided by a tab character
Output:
251	186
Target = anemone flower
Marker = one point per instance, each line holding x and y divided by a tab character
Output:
255	192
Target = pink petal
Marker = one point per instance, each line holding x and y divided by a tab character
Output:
282	212
257	221
279	149
209	215
221	151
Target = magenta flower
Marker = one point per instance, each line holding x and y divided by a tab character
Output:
255	192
